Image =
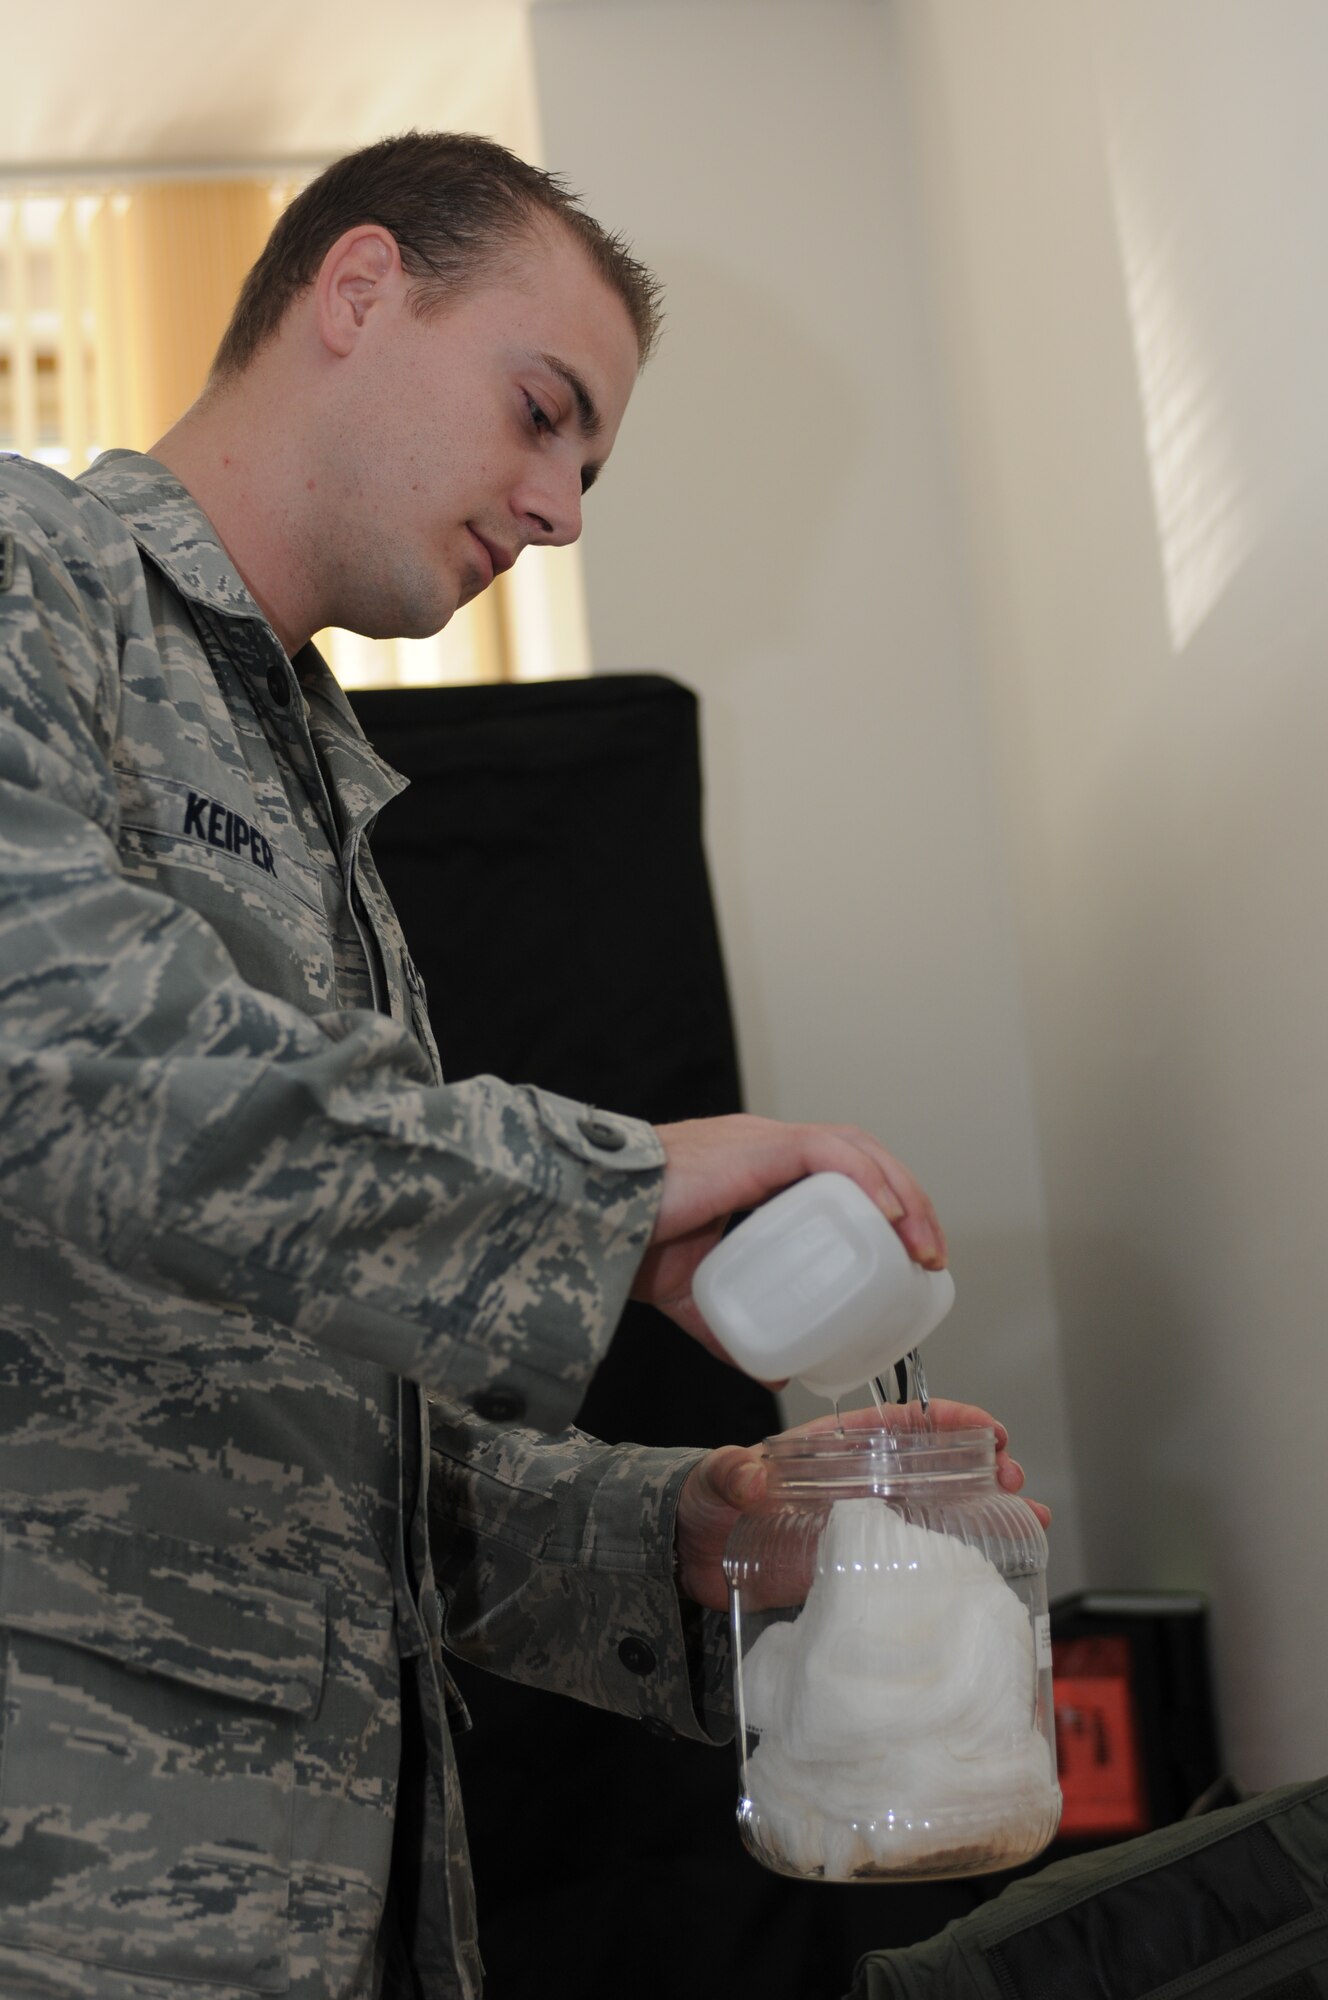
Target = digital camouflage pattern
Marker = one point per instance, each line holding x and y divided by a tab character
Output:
237	1205
584	1526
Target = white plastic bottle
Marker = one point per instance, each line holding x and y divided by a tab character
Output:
817	1284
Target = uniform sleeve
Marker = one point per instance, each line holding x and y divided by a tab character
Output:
163	1119
554	1561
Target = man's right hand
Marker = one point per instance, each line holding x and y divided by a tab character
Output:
716	1166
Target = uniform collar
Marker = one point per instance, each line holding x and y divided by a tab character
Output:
169	525
364	781
173	531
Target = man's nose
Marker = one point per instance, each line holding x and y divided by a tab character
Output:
553	506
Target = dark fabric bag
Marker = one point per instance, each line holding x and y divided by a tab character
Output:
1227	1906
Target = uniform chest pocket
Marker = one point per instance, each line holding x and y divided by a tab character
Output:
152	1699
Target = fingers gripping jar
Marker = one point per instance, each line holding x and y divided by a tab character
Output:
892	1661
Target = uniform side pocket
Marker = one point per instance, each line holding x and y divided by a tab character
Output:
152	1696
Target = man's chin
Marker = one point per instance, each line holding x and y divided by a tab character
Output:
413	621
427	627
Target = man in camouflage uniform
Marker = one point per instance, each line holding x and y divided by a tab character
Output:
241	1215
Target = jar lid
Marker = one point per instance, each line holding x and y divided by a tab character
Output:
881	1456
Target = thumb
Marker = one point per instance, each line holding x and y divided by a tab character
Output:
737	1476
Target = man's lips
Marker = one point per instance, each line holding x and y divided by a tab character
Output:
495	554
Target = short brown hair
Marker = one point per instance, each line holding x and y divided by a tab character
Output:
454	202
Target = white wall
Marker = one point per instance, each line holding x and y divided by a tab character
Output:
1124	208
775	530
181	83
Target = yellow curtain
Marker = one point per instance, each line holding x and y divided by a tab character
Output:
167	263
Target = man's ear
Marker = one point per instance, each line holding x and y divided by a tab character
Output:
360	272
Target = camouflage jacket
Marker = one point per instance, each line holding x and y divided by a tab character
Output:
237	1206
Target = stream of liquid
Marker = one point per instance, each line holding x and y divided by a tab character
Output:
903	1384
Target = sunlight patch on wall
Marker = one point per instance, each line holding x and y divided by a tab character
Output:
1204	529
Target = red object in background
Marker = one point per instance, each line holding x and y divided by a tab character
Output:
1097	1739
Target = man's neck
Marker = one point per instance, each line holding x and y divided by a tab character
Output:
234	457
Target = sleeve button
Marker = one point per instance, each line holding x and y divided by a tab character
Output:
637	1657
600	1133
499	1406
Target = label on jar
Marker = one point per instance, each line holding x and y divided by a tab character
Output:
1042	1639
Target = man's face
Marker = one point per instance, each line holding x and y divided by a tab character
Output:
458	440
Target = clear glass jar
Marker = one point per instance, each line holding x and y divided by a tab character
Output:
892	1661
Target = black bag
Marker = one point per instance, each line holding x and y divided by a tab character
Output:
1228	1906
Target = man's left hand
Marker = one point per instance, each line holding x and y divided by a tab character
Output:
731	1480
